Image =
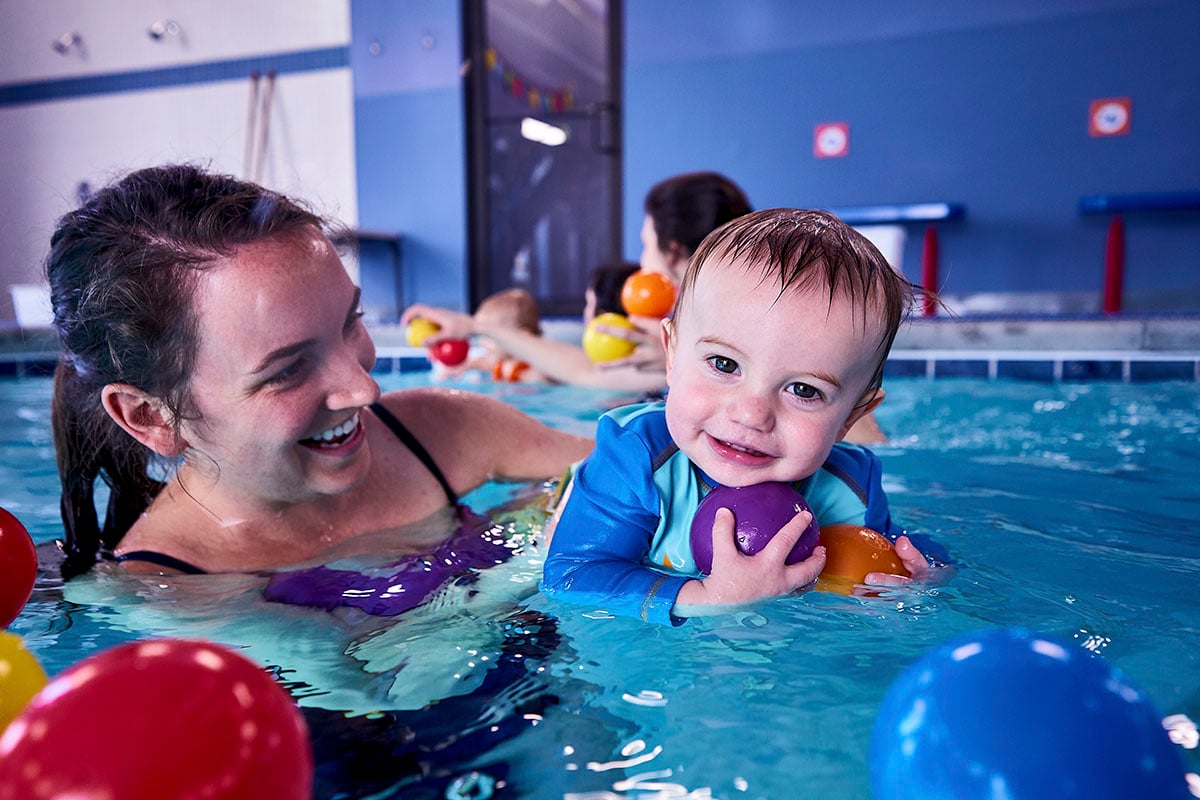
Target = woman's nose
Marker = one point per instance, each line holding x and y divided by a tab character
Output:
351	384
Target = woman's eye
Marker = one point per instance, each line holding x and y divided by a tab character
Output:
804	391
723	364
353	320
288	373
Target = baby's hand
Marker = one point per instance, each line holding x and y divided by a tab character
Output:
912	559
737	578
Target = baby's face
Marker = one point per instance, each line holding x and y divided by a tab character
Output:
762	386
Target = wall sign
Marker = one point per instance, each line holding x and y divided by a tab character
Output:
1110	116
831	139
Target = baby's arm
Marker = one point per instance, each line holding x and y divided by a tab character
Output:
603	533
596	555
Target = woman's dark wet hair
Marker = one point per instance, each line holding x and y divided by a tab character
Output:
686	208
123	272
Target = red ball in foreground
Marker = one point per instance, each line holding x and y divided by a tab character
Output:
450	352
648	294
159	718
18	567
759	511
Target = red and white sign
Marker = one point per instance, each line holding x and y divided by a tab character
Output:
831	139
1110	116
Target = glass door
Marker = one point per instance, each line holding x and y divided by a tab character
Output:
544	146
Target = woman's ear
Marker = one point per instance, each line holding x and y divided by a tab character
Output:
142	416
869	401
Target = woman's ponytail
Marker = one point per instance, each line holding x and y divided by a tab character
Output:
90	446
78	468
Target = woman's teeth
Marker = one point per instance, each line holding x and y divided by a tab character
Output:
336	434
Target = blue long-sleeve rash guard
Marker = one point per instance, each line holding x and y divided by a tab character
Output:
623	543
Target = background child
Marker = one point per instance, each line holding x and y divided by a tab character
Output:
603	294
511	308
775	349
517	309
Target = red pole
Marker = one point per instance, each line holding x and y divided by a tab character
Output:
929	270
1114	265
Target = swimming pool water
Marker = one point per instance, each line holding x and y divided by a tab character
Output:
1071	509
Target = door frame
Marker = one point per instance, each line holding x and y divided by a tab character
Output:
475	76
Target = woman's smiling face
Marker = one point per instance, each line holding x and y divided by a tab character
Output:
282	371
761	384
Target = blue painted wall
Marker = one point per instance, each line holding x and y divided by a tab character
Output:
980	103
409	127
990	113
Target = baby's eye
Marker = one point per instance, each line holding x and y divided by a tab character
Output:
723	364
804	391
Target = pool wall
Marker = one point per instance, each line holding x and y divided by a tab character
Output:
1128	348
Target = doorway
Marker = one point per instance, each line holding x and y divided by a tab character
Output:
543	146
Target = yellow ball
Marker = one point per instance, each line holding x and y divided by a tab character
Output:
419	330
602	346
21	677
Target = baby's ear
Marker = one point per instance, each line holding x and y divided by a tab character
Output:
668	343
143	416
869	401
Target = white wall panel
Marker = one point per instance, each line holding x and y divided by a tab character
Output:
49	147
114	33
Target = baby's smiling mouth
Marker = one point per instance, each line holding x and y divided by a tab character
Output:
335	436
750	451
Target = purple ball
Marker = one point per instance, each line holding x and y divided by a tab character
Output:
759	511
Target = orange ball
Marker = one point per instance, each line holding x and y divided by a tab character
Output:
648	294
852	551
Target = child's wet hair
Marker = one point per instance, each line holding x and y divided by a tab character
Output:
514	307
802	249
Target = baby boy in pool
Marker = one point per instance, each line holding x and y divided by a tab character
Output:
775	348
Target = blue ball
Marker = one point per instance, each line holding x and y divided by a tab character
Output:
1017	715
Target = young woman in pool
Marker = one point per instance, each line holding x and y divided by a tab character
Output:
680	211
215	372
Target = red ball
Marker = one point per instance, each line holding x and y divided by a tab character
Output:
648	294
159	718
759	511
450	352
18	567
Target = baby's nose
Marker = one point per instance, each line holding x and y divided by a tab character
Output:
752	410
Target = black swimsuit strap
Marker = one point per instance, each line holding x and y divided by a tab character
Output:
410	441
161	560
389	419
